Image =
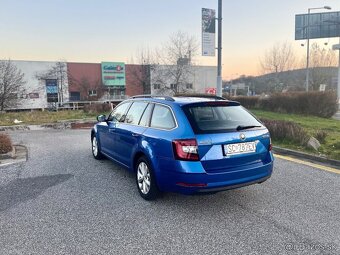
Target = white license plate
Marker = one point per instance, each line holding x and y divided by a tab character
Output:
239	148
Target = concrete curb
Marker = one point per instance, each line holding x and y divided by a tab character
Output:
20	155
59	125
304	155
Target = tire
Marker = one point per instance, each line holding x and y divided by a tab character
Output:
95	148
145	180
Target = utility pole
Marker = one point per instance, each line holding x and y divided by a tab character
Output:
219	50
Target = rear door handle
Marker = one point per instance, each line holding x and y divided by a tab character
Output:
135	135
112	130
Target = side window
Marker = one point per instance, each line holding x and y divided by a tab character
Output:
135	112
118	112
162	118
145	120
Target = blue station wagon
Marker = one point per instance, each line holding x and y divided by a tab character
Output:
185	144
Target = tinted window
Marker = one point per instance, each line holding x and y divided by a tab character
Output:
162	118
135	112
145	120
118	112
207	119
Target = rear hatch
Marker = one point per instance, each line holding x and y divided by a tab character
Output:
229	138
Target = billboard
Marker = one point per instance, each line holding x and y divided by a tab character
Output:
321	25
113	73
52	90
208	32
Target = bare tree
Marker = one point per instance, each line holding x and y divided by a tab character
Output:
11	84
320	61
141	72
176	72
60	73
85	85
279	58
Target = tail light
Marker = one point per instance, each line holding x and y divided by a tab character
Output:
186	149
270	145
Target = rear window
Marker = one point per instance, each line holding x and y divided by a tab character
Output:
218	119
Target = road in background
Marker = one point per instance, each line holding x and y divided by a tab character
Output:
62	201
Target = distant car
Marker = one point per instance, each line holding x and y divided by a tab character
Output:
185	144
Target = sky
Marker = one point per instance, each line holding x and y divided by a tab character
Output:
114	30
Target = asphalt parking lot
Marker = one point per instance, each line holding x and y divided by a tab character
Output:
62	201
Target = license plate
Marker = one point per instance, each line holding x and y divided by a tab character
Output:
239	148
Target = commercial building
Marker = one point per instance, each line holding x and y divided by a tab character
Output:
49	83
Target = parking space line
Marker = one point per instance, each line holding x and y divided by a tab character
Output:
321	167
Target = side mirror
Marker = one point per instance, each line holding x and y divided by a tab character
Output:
101	118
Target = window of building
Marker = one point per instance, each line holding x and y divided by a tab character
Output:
75	96
92	92
173	86
189	86
157	86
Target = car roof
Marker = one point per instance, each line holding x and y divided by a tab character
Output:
180	100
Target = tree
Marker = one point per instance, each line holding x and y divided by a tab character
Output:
320	61
141	72
85	85
279	58
60	73
11	84
175	57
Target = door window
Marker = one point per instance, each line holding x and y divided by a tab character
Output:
118	113
145	120
135	112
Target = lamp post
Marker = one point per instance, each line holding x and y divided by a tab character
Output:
308	35
219	50
337	47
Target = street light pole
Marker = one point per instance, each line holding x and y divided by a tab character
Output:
307	64
308	36
219	50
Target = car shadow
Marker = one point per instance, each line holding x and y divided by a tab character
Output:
22	190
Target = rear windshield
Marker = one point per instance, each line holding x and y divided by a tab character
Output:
218	119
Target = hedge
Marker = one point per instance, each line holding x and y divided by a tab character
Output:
322	104
281	130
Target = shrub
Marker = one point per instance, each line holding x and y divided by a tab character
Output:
5	144
250	102
286	130
322	104
97	108
321	136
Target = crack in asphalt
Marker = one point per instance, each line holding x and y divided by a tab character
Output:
24	189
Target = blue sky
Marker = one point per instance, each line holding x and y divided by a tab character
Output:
95	31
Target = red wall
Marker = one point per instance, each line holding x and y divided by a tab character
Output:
92	72
134	84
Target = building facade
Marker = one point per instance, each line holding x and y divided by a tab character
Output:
49	83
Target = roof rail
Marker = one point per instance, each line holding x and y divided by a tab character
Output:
203	96
168	98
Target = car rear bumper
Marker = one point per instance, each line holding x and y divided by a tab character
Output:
195	182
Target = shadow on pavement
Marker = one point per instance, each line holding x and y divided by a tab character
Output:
22	190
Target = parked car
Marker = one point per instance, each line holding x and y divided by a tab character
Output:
185	144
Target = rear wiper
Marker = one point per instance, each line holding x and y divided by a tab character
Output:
245	127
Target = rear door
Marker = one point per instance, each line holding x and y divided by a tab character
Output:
228	136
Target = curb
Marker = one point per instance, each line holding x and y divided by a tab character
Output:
304	155
20	155
58	125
